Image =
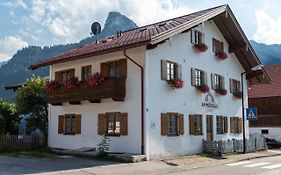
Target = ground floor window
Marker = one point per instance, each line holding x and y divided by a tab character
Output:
69	124
236	124
222	126
172	124
113	124
195	124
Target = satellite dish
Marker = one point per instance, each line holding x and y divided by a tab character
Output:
96	28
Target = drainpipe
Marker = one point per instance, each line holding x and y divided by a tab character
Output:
142	99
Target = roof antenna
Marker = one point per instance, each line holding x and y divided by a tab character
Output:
96	29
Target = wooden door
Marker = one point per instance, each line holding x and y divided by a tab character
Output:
209	127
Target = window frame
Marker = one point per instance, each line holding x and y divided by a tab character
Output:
217	46
171	70
170	121
198	128
197	37
220	124
218	81
235	86
237	128
199	77
116	119
72	123
83	78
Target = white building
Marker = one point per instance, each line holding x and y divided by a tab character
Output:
135	104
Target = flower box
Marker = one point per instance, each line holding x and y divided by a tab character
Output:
71	83
201	47
176	84
203	88
95	79
51	85
221	91
221	55
238	95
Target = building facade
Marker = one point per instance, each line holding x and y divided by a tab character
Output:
165	87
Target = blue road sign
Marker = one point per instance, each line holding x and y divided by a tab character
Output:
251	113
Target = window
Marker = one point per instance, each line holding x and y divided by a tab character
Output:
236	124
170	70
197	37
116	68
234	86
62	76
217	46
69	124
85	72
264	131
172	124
217	81
113	124
198	77
222	126
195	124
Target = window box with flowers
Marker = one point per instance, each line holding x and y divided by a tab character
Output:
176	84
201	47
71	83
221	55
51	85
95	79
221	91
238	95
203	88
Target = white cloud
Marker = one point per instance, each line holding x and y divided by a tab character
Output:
69	21
14	4
9	46
268	29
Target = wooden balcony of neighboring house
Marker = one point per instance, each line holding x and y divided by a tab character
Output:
111	87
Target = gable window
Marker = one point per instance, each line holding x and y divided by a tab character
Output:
113	124
234	86
217	46
197	37
222	126
85	72
198	77
172	124
69	124
195	124
170	70
62	76
236	124
217	81
116	68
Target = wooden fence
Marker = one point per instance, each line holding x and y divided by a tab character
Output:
232	146
16	143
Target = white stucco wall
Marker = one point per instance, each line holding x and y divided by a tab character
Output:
160	98
88	137
273	132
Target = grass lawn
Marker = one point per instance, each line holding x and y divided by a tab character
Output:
32	153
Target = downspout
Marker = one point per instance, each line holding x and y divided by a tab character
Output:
142	99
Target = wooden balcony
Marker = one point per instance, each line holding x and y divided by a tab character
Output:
114	88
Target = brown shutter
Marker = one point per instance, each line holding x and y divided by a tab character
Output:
221	47
205	78
193	83
61	124
71	73
191	124
124	124
104	69
163	70
240	125
239	87
164	124
57	76
213	81
178	71
123	68
180	122
101	124
225	124
78	124
231	85
232	125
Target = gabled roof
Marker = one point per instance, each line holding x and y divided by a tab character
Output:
272	89
156	33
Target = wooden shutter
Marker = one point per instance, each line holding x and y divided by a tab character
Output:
205	78
57	76
213	81
231	85
101	124
222	82
124	124
178	71
191	124
164	124
180	121
78	124
104	69
123	68
71	73
221	48
232	125
240	125
61	124
193	82
164	69
192	36
225	124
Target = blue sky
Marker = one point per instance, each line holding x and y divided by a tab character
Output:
39	22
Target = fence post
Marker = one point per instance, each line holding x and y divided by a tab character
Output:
220	150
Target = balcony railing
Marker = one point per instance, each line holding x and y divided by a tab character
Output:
111	87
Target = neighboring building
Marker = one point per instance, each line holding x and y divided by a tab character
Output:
267	99
135	104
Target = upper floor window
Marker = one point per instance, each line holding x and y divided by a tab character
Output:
62	76
170	70
113	124
217	81
198	77
69	124
196	36
85	72
172	124
116	68
217	46
234	86
195	124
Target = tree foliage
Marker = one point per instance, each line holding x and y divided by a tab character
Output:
32	99
8	117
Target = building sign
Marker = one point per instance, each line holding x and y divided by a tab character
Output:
209	102
251	113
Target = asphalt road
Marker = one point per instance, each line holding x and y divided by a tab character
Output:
262	166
